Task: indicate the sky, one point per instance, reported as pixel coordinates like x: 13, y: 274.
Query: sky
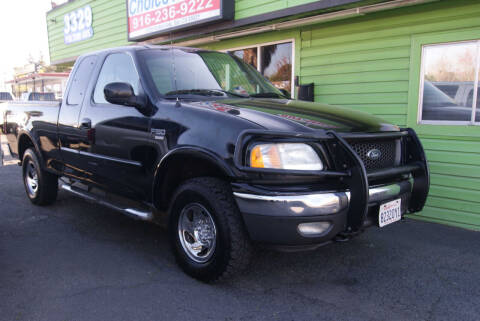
x: 23, y: 31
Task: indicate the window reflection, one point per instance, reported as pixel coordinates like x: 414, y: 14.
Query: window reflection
x: 277, y: 65
x: 247, y: 55
x: 449, y: 75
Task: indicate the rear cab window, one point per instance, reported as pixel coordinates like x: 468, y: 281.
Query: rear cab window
x: 80, y: 80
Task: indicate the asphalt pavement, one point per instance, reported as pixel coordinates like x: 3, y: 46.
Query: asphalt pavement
x: 79, y: 261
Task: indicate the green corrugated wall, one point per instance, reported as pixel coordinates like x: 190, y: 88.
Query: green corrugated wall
x: 109, y: 28
x: 110, y: 23
x: 365, y: 63
x: 248, y: 8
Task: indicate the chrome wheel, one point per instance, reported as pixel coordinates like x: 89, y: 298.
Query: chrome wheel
x: 31, y: 179
x: 197, y: 232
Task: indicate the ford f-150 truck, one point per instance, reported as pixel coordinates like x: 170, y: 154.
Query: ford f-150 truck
x: 201, y: 142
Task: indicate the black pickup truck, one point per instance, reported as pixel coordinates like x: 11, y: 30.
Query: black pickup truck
x: 201, y: 142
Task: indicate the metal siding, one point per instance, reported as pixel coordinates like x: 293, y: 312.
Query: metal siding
x: 248, y: 8
x: 364, y: 64
x: 109, y: 28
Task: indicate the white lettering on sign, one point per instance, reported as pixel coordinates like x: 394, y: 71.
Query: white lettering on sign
x: 146, y: 17
x: 77, y: 25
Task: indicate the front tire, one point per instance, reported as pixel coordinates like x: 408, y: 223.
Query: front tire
x: 206, y: 230
x: 41, y: 186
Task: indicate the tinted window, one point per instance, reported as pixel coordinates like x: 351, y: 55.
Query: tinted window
x: 41, y: 96
x: 5, y: 96
x: 80, y: 80
x: 117, y: 67
x: 470, y: 97
x: 450, y: 90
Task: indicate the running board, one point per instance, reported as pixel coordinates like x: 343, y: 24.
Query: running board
x: 132, y: 212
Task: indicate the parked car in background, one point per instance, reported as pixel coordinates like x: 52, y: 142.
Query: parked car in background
x: 37, y: 96
x: 5, y: 96
x: 460, y: 91
x: 437, y: 105
x: 201, y: 142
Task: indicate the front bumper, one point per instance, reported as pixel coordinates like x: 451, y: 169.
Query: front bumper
x: 279, y: 218
x: 275, y: 219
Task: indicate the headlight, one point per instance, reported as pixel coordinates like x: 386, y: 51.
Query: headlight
x: 296, y: 156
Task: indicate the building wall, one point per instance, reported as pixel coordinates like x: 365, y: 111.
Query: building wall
x: 110, y: 23
x: 372, y: 63
x: 248, y: 8
x: 109, y: 28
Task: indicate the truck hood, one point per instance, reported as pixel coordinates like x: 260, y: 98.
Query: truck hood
x: 288, y: 115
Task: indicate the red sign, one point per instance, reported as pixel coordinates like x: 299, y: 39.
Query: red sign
x: 151, y: 17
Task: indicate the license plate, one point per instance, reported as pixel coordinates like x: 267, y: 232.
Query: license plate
x: 390, y: 212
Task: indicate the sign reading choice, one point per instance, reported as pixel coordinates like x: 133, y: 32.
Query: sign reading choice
x: 77, y: 25
x: 149, y: 17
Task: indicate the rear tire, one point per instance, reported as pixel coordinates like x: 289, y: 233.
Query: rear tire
x: 41, y: 186
x: 206, y: 230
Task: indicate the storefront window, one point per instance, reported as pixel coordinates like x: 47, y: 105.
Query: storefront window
x: 277, y: 65
x: 449, y: 85
x: 477, y: 105
x: 249, y: 56
x: 274, y: 61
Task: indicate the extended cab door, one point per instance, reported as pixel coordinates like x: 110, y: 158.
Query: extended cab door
x: 117, y: 140
x: 71, y: 134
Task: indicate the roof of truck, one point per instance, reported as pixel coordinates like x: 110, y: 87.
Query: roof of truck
x: 140, y: 47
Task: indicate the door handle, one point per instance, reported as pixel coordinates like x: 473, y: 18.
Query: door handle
x: 85, y: 123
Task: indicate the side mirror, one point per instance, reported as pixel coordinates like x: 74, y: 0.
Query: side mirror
x: 120, y: 93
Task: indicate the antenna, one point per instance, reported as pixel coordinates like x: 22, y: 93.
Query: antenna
x: 172, y: 56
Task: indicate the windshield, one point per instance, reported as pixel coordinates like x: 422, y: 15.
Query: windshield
x: 175, y: 72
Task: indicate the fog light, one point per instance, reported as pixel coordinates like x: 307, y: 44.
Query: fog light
x: 313, y: 229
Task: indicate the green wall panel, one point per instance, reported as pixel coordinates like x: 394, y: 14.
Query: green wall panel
x: 248, y: 8
x: 109, y: 28
x: 366, y: 64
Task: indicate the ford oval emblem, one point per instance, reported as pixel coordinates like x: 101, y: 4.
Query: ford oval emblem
x: 374, y: 154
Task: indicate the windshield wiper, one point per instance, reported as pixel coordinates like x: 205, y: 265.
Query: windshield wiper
x: 203, y: 92
x: 200, y: 92
x: 267, y: 95
x: 232, y: 93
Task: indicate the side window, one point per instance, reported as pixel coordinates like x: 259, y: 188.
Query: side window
x: 118, y: 67
x: 80, y: 80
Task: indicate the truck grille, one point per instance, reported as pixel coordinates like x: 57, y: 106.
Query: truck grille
x: 388, y: 153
